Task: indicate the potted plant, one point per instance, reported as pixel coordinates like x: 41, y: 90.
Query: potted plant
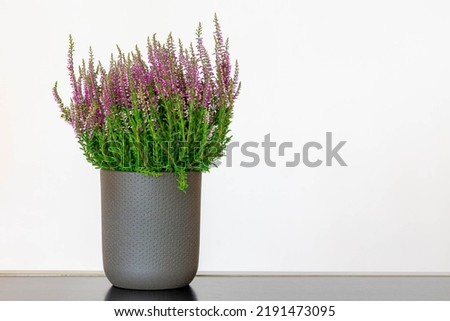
x: 152, y: 124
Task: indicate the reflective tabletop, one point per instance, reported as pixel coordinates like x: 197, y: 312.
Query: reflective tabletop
x: 234, y: 288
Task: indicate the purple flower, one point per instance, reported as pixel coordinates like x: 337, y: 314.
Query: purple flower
x: 171, y: 73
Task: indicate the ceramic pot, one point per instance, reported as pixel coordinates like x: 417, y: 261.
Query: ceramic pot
x: 150, y: 230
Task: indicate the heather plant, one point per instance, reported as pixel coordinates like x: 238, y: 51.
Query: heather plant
x: 167, y: 112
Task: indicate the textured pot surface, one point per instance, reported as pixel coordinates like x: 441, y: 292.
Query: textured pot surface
x: 150, y: 230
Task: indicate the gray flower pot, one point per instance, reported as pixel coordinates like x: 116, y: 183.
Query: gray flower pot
x: 150, y: 230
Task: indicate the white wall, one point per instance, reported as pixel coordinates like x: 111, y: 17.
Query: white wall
x: 376, y: 74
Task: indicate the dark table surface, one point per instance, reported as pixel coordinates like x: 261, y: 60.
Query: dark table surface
x: 234, y: 288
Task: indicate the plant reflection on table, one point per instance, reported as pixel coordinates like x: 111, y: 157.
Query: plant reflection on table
x: 181, y: 294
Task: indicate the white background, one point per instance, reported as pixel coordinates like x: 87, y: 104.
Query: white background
x: 375, y: 73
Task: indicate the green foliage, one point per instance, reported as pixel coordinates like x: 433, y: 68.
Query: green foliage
x: 151, y: 141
